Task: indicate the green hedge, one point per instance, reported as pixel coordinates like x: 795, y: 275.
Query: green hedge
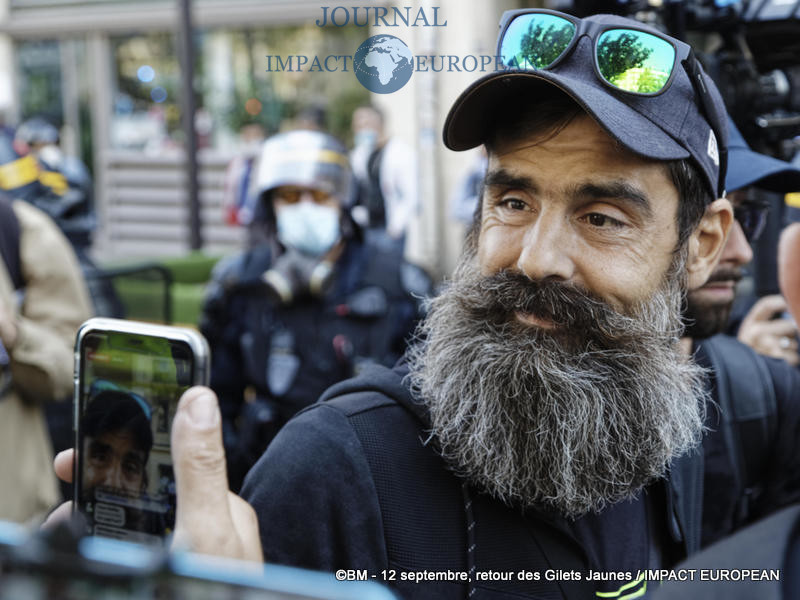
x: 142, y: 289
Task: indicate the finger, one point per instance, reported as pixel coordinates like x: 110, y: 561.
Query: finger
x: 63, y: 465
x: 778, y: 328
x: 789, y: 268
x: 246, y: 524
x: 766, y: 307
x: 62, y: 513
x: 782, y: 348
x: 203, y: 521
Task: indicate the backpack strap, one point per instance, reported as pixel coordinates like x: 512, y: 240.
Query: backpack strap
x: 685, y: 500
x: 746, y: 396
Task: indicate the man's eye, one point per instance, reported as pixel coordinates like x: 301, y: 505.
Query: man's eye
x: 601, y: 220
x: 513, y: 204
x: 99, y: 453
x: 132, y: 468
x: 99, y: 456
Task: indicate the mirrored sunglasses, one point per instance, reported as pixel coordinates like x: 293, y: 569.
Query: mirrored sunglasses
x: 626, y: 58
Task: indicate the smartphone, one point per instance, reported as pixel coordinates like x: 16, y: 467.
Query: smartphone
x: 129, y: 377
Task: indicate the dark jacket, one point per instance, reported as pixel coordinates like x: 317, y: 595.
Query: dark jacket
x: 350, y: 483
x: 282, y: 357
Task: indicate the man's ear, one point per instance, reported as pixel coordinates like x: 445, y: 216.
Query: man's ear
x: 707, y: 241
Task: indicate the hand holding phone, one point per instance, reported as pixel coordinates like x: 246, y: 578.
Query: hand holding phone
x: 129, y: 378
x: 209, y: 519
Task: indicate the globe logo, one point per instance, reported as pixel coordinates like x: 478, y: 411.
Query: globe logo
x: 383, y: 64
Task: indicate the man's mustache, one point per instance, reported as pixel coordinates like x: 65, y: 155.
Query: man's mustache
x: 726, y: 274
x: 565, y: 305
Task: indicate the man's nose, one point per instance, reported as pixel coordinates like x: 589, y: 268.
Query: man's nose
x: 737, y: 249
x: 547, y: 250
x: 113, y: 477
x: 307, y: 196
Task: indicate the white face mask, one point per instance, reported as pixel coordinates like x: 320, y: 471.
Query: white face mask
x: 366, y: 137
x: 52, y: 155
x: 311, y: 228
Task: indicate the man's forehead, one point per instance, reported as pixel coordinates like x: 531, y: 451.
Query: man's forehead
x: 580, y: 137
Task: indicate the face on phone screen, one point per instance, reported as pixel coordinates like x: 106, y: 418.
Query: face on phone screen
x: 129, y: 386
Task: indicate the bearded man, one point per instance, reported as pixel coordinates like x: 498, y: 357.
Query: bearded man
x: 542, y: 437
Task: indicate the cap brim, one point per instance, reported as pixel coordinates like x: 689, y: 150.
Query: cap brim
x: 474, y: 112
x: 748, y: 168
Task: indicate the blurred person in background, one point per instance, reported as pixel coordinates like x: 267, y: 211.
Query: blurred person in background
x: 43, y: 301
x: 309, y: 303
x: 773, y: 542
x: 766, y: 328
x: 386, y: 171
x: 746, y: 394
x: 466, y: 197
x: 39, y: 172
x: 239, y: 175
x: 312, y: 118
x: 65, y: 193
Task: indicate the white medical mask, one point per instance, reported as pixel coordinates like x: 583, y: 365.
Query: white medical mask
x: 366, y: 137
x: 311, y: 228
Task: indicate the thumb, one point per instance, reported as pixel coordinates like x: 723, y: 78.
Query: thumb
x: 789, y: 268
x: 201, y: 481
x: 63, y: 464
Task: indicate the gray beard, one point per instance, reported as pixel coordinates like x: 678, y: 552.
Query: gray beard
x: 570, y: 419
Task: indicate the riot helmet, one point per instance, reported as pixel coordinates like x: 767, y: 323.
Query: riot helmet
x: 302, y: 200
x: 302, y: 158
x: 37, y: 132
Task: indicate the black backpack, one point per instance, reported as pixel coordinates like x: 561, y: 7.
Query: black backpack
x: 747, y: 400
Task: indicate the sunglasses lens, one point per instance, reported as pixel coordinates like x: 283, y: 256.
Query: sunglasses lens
x: 535, y: 41
x: 635, y: 61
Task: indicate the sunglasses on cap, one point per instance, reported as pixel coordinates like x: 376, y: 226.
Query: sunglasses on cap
x: 752, y: 217
x: 627, y: 58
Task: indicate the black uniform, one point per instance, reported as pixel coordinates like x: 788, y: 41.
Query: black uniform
x: 270, y: 360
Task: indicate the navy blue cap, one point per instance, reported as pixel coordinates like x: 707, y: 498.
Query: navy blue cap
x: 668, y: 126
x: 747, y: 167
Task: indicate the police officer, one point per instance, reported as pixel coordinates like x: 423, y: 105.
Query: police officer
x: 309, y: 303
x: 65, y: 186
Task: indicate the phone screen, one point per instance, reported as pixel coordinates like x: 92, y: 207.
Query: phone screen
x: 128, y: 390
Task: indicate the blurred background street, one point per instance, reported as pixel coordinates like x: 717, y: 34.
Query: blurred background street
x: 107, y: 74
